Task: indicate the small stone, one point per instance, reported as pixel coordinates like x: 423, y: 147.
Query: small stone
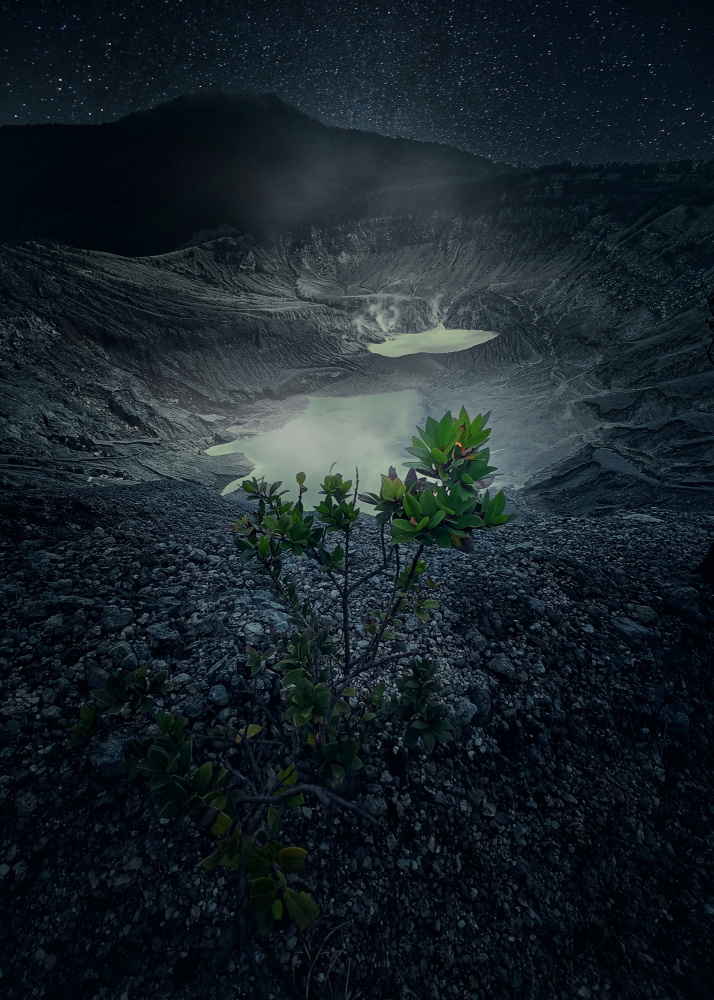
x: 163, y: 633
x: 25, y: 803
x: 218, y: 696
x: 96, y: 677
x: 374, y: 805
x: 193, y: 707
x: 642, y: 613
x: 500, y: 664
x: 114, y: 618
x: 465, y: 712
x: 119, y: 652
x: 106, y: 757
x: 536, y: 605
x: 682, y: 601
x: 197, y: 556
x: 476, y: 639
x: 630, y: 631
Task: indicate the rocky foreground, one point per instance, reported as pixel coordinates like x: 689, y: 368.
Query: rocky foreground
x: 559, y: 846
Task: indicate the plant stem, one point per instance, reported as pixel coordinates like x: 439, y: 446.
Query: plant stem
x: 368, y: 576
x: 324, y: 796
x: 364, y: 662
x: 345, y: 603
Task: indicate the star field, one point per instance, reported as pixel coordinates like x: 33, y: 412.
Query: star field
x: 522, y: 82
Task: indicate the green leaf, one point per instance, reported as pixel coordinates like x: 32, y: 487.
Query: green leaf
x: 201, y: 778
x: 302, y: 908
x: 157, y: 758
x: 445, y: 429
x: 412, y: 507
x: 427, y: 739
x: 259, y: 860
x: 277, y: 909
x: 184, y: 758
x: 430, y: 434
x: 338, y: 774
x: 211, y: 863
x: 169, y: 810
x: 253, y: 730
x: 288, y: 776
x: 436, y: 519
x: 293, y: 676
x: 164, y: 721
x: 221, y: 824
x: 262, y: 894
x: 291, y: 859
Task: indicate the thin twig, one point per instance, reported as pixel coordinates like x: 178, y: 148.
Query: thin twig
x: 251, y: 758
x: 369, y: 665
x: 664, y: 740
x: 345, y: 604
x: 368, y: 576
x: 374, y: 644
x: 326, y: 797
x: 402, y: 977
x: 319, y: 952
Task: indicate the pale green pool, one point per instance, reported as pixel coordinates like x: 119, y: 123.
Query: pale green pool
x: 369, y: 432
x: 438, y: 340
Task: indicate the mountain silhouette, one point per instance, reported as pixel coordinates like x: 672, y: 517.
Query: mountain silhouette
x: 146, y: 183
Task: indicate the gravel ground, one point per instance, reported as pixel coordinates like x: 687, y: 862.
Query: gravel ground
x: 559, y: 846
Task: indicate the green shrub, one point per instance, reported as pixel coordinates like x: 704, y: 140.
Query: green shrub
x: 331, y: 718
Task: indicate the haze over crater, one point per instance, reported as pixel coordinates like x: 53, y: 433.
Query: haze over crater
x: 591, y: 278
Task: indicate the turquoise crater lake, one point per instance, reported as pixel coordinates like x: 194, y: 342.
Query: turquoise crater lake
x: 438, y: 340
x: 369, y: 432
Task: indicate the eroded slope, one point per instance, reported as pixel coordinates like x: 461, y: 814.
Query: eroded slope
x: 596, y: 299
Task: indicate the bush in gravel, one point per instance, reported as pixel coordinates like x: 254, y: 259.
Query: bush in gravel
x: 327, y: 716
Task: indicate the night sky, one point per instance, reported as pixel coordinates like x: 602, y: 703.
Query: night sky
x: 521, y: 82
